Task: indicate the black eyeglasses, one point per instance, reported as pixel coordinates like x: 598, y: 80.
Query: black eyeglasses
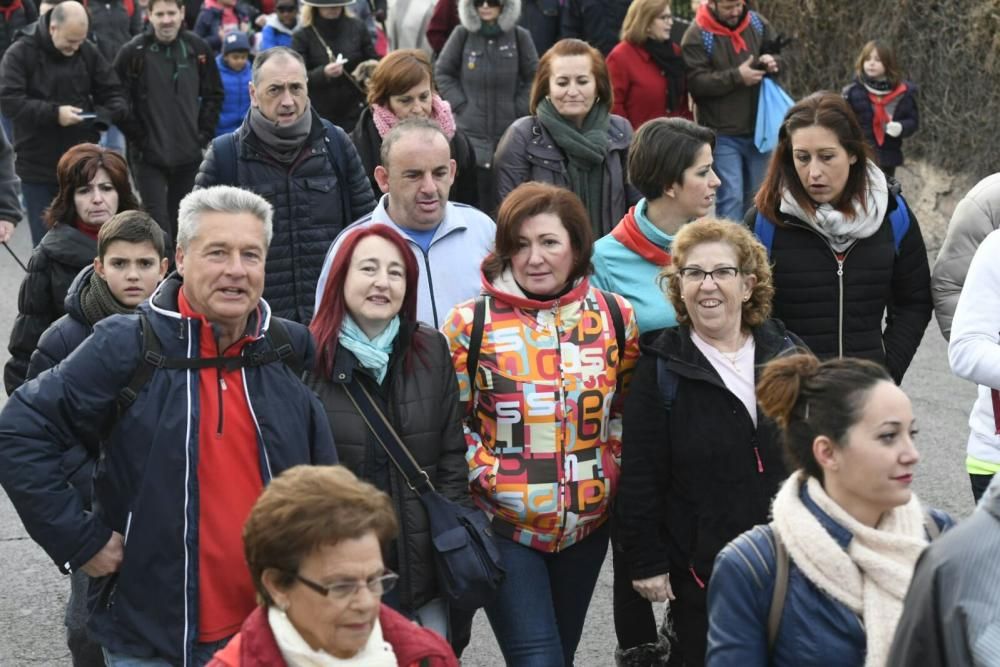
x: 722, y: 274
x: 488, y: 3
x: 343, y: 590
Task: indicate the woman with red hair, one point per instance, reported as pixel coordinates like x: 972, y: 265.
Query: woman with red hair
x: 367, y: 337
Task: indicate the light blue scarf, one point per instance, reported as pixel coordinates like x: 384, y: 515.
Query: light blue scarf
x: 371, y: 353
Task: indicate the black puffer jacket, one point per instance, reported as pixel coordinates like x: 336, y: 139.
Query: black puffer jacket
x: 339, y: 99
x: 309, y: 209
x: 54, y: 263
x: 423, y: 408
x: 15, y: 15
x: 836, y: 306
x: 698, y: 475
x: 369, y: 144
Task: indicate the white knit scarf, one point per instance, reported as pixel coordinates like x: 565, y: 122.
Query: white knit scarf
x: 872, y: 575
x: 842, y: 230
x: 298, y: 653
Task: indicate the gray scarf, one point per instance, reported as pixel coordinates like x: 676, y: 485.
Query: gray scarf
x: 97, y: 301
x: 282, y: 142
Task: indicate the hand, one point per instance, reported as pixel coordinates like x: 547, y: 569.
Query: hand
x: 222, y: 33
x: 751, y: 76
x: 69, y: 115
x: 333, y: 70
x: 6, y: 230
x: 261, y: 20
x: 109, y: 559
x: 893, y: 129
x: 769, y: 62
x: 654, y: 589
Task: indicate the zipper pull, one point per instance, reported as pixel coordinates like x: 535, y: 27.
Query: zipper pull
x: 697, y: 579
x: 760, y: 464
x: 222, y: 383
x: 840, y: 264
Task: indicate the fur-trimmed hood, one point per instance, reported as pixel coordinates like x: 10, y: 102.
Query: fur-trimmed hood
x: 469, y: 17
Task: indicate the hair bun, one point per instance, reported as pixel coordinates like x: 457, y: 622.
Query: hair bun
x: 781, y: 383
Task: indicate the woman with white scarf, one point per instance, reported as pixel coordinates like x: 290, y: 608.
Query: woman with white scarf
x: 845, y: 246
x: 849, y: 524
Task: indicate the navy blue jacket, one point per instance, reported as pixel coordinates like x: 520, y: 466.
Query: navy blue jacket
x: 890, y: 153
x: 815, y: 630
x: 150, y: 607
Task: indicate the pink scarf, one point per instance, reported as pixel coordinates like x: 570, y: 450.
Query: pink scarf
x: 385, y: 120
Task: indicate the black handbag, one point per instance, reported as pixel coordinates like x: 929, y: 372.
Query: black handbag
x: 468, y: 561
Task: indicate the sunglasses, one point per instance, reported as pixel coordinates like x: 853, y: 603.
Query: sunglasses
x: 487, y: 3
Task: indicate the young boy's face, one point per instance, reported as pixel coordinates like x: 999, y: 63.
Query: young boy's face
x: 236, y: 60
x: 132, y: 271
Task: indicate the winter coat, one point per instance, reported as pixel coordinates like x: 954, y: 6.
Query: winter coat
x: 35, y: 79
x: 539, y: 17
x: 890, y: 153
x: 54, y: 263
x: 464, y: 190
x: 640, y: 86
x: 339, y: 99
x: 528, y: 152
x: 236, y: 96
x: 547, y: 398
x: 724, y: 103
x: 276, y: 33
x: 816, y: 630
x: 15, y: 15
x: 597, y: 22
x: 311, y: 206
x: 699, y: 474
x: 974, y: 218
x: 406, y: 25
x: 10, y: 184
x: 255, y: 645
x: 423, y: 407
x: 209, y: 22
x: 156, y: 514
x: 174, y: 113
x: 111, y: 25
x: 836, y: 305
x: 487, y: 80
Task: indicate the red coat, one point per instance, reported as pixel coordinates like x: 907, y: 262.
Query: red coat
x: 255, y: 645
x: 640, y: 87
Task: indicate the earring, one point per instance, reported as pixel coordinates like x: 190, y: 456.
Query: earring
x: 283, y: 605
x: 746, y: 298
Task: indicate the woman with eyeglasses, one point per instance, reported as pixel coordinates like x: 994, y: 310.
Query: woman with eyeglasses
x: 484, y: 71
x: 700, y: 463
x: 314, y: 542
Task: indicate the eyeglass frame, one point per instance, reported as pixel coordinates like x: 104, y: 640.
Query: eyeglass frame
x: 387, y: 580
x: 682, y: 273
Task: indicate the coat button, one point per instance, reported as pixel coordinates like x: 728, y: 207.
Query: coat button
x: 342, y: 376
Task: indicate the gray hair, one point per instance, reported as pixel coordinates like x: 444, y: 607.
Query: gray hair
x: 221, y: 199
x: 409, y: 126
x: 270, y: 54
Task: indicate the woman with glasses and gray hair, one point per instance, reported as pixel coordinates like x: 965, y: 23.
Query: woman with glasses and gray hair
x: 313, y: 543
x: 700, y: 464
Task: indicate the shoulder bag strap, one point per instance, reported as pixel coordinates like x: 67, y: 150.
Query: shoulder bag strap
x: 416, y: 478
x: 475, y: 341
x: 781, y: 566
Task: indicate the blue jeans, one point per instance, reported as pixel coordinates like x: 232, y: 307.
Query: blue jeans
x: 538, y: 613
x: 114, y: 140
x: 37, y: 198
x: 201, y: 656
x: 740, y: 167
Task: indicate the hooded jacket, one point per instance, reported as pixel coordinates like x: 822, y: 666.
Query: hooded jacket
x: 422, y: 406
x: 156, y: 514
x: 236, y: 95
x: 276, y: 33
x: 54, y: 264
x: 487, y: 80
x: 35, y: 80
x: 547, y: 400
x: 15, y: 15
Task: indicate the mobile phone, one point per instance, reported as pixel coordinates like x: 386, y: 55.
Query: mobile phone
x: 88, y: 115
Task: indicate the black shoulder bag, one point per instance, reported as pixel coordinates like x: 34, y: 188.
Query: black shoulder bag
x: 468, y: 561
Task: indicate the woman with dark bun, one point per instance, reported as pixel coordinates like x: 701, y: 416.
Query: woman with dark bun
x: 846, y: 519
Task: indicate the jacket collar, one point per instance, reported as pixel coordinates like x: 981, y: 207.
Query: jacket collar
x: 841, y: 535
x: 452, y: 220
x: 68, y: 245
x: 503, y: 288
x: 469, y: 17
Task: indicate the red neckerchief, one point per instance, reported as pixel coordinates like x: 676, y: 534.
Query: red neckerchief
x: 881, y: 116
x: 10, y: 9
x: 627, y: 233
x: 707, y: 21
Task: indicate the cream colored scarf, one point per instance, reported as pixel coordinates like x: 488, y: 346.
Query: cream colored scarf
x: 297, y: 653
x: 872, y: 575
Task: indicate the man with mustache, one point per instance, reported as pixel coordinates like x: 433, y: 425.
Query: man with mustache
x: 449, y: 240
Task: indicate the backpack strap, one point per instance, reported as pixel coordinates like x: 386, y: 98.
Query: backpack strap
x: 931, y: 526
x: 144, y: 370
x: 335, y: 154
x: 900, y: 221
x: 281, y: 345
x: 475, y: 340
x: 763, y: 229
x: 618, y: 322
x: 666, y: 382
x: 225, y: 151
x: 781, y: 567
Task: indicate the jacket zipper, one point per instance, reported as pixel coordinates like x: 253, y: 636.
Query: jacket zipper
x: 562, y: 426
x: 222, y: 387
x: 841, y: 258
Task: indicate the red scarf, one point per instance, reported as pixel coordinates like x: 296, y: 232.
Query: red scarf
x: 10, y: 9
x: 881, y: 116
x: 627, y: 233
x: 706, y: 21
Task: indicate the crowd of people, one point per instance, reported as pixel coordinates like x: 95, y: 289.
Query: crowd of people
x: 535, y: 245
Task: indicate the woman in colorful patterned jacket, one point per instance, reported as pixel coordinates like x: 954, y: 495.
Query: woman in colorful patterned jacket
x: 544, y: 416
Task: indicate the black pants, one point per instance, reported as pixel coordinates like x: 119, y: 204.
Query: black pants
x: 690, y: 612
x: 162, y: 189
x: 979, y: 485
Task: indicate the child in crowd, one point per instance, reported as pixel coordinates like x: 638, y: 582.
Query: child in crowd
x: 280, y: 25
x: 235, y: 72
x: 131, y: 261
x: 218, y: 18
x: 885, y: 104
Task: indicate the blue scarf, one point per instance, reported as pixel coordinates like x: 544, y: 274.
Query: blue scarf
x: 371, y: 353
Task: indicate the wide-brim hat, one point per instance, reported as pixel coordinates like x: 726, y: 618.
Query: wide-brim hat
x: 328, y: 3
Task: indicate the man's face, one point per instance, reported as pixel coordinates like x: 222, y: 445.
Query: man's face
x: 417, y: 176
x: 166, y: 18
x: 729, y: 11
x: 68, y: 36
x: 223, y: 267
x: 280, y: 92
x: 288, y: 13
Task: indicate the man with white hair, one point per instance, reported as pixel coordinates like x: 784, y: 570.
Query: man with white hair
x: 199, y: 403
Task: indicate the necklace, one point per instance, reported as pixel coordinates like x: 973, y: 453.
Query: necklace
x: 734, y: 357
